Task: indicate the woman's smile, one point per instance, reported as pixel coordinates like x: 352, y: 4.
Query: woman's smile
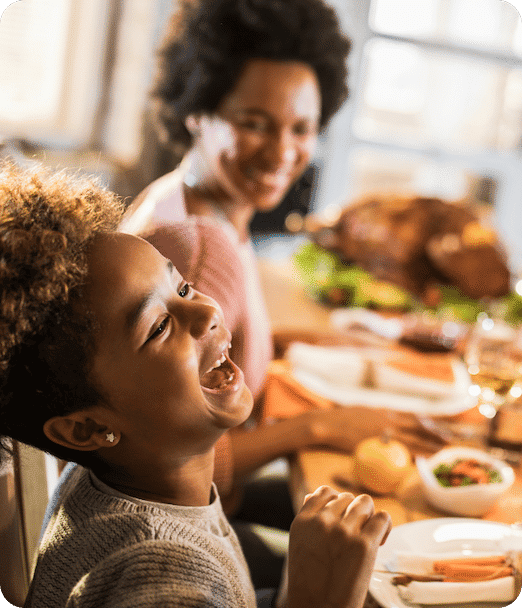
x: 269, y: 180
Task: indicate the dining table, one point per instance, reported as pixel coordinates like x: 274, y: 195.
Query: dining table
x: 291, y: 310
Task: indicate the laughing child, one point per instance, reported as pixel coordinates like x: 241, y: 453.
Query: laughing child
x: 111, y: 360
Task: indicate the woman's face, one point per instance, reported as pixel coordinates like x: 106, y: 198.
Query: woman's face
x: 161, y: 353
x: 263, y: 134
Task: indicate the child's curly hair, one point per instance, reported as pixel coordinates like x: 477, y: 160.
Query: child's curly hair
x: 47, y: 221
x: 208, y: 42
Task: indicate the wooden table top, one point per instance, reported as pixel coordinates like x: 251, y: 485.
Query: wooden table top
x: 312, y: 468
x: 290, y: 308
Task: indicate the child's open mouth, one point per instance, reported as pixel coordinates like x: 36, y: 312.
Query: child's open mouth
x: 221, y: 376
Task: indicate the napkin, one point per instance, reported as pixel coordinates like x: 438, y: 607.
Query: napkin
x: 497, y: 590
x: 341, y: 366
x: 390, y: 379
x: 376, y: 377
x: 356, y: 395
x: 413, y: 562
x: 419, y: 375
x: 285, y: 396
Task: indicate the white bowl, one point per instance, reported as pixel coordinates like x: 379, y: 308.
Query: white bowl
x: 470, y: 501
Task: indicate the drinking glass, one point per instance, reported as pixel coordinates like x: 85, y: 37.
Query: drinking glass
x: 493, y: 362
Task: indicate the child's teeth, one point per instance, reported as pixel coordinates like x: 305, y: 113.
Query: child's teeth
x: 221, y: 360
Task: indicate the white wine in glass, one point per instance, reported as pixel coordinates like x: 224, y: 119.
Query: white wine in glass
x: 492, y: 362
x: 500, y: 382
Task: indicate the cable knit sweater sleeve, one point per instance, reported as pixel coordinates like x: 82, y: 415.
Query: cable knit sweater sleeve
x: 104, y: 550
x: 154, y: 574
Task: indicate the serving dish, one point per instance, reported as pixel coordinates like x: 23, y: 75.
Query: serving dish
x: 455, y: 402
x: 467, y: 500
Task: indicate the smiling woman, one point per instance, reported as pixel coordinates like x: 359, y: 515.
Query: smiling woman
x: 257, y: 144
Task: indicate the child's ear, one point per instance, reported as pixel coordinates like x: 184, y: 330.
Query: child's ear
x: 80, y: 431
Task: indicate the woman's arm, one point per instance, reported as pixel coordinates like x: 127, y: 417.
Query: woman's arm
x: 338, y: 428
x: 253, y: 448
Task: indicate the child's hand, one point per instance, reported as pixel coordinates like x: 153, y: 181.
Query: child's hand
x: 333, y: 545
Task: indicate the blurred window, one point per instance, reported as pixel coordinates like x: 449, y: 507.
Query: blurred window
x: 382, y: 170
x: 435, y: 108
x: 418, y: 96
x: 51, y: 68
x: 33, y: 45
x: 442, y: 73
x: 483, y: 24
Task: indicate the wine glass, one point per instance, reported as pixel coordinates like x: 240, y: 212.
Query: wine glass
x: 492, y: 362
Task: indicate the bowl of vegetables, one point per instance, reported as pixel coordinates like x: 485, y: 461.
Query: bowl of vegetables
x: 464, y: 481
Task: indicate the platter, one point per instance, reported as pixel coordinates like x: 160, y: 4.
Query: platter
x: 455, y: 402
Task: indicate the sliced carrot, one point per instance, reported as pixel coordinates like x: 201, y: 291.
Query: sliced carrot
x: 468, y: 570
x: 486, y: 560
x: 473, y: 568
x: 472, y: 469
x: 499, y: 573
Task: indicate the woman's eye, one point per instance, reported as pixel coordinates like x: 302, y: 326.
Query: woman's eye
x: 185, y: 290
x: 305, y: 129
x: 160, y: 329
x: 252, y: 125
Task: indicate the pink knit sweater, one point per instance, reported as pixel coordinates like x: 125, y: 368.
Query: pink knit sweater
x: 205, y: 255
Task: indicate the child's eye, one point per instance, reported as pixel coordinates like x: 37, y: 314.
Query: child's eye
x: 185, y: 290
x: 160, y: 329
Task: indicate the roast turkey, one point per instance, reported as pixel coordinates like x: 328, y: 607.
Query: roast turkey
x: 418, y: 242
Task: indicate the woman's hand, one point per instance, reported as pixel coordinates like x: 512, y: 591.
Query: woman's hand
x: 342, y: 428
x: 339, y: 428
x: 333, y: 546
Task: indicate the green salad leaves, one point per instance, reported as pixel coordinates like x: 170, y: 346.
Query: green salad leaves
x: 332, y: 281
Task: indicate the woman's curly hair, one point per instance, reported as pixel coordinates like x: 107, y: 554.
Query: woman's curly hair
x: 208, y: 42
x: 47, y: 221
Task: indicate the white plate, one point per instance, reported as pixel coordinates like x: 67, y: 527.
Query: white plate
x: 444, y: 535
x: 458, y: 401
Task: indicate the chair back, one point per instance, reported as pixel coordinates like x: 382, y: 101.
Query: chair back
x: 23, y: 496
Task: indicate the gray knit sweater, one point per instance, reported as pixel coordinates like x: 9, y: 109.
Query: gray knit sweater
x: 103, y: 550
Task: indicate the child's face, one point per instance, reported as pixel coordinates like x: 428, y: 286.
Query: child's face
x: 157, y: 341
